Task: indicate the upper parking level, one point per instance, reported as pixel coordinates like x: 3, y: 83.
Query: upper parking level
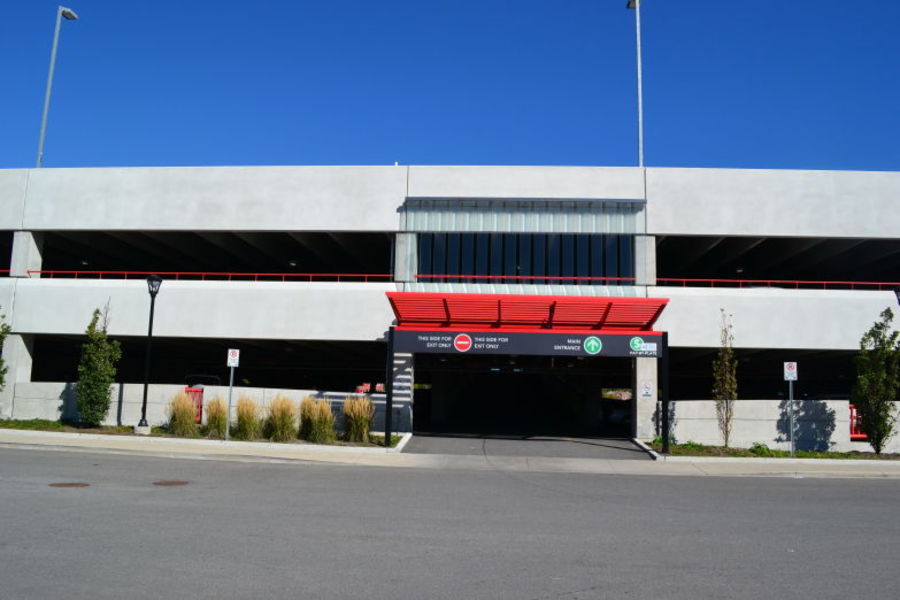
x: 365, y: 198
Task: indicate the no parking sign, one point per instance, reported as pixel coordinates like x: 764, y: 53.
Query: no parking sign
x: 790, y: 371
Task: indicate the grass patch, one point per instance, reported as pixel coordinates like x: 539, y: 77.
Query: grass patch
x: 321, y: 423
x: 378, y: 440
x: 762, y: 451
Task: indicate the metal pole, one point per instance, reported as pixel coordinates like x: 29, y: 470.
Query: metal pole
x: 640, y: 84
x: 40, y: 154
x: 228, y: 414
x: 791, y: 407
x: 389, y: 388
x: 143, y: 422
x: 664, y: 391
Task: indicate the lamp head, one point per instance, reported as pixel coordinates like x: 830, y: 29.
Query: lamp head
x: 153, y: 283
x: 632, y: 4
x: 68, y: 13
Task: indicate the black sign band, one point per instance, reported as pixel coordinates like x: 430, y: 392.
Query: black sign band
x: 537, y: 343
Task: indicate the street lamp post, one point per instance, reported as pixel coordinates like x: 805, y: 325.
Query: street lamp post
x: 61, y: 13
x: 635, y: 5
x: 153, y: 283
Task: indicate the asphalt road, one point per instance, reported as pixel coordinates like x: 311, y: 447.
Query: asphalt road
x: 258, y: 530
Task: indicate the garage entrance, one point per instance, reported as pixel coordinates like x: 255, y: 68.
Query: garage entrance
x: 523, y: 396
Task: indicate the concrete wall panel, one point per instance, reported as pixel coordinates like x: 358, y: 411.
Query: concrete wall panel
x: 620, y: 183
x: 206, y: 309
x: 771, y: 317
x: 13, y: 184
x: 773, y: 203
x: 217, y: 198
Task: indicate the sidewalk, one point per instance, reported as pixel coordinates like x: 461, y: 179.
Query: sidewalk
x: 376, y: 457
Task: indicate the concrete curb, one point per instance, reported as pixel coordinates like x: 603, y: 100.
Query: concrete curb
x: 162, y: 443
x: 891, y: 464
x: 653, y: 454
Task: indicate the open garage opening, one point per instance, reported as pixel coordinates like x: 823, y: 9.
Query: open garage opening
x: 523, y: 396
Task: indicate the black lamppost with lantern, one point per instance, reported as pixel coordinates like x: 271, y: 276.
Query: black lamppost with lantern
x: 153, y: 283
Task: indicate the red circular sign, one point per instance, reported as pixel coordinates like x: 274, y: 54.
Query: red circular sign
x: 462, y: 342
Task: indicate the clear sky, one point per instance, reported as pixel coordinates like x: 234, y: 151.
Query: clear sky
x: 805, y: 84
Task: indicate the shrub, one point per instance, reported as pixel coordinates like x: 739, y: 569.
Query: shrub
x: 322, y: 423
x: 307, y: 410
x: 216, y: 418
x: 759, y: 449
x: 358, y: 413
x: 96, y: 371
x: 248, y: 425
x: 5, y: 329
x: 181, y: 416
x: 282, y: 422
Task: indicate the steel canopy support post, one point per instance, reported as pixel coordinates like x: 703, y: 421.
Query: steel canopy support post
x: 389, y: 388
x: 664, y: 391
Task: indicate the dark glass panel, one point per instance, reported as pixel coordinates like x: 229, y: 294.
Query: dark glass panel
x: 453, y: 256
x: 626, y: 258
x: 482, y: 255
x: 525, y: 256
x: 612, y: 258
x: 583, y: 257
x: 553, y: 255
x: 496, y: 256
x: 539, y: 256
x: 567, y: 268
x: 425, y: 243
x: 467, y: 255
x: 440, y: 256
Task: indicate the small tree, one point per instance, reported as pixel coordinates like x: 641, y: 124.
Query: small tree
x: 878, y: 381
x: 4, y: 331
x: 97, y: 370
x: 725, y: 378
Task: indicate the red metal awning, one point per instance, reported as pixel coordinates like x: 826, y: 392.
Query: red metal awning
x: 416, y: 310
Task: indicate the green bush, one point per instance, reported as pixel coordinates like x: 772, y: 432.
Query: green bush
x: 758, y: 449
x: 216, y: 418
x: 358, y: 413
x: 282, y: 423
x: 182, y: 415
x: 96, y: 371
x: 248, y: 424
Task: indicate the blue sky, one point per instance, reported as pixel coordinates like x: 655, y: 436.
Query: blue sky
x: 806, y: 84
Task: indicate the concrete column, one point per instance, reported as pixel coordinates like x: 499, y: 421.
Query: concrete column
x: 27, y: 253
x: 645, y: 260
x: 17, y: 355
x: 405, y: 267
x: 646, y: 391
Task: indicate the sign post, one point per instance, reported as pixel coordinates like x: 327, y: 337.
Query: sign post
x: 234, y: 359
x: 790, y: 375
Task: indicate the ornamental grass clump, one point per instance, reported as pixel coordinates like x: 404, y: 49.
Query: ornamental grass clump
x: 358, y: 413
x: 216, y: 418
x: 181, y: 416
x: 248, y: 424
x: 307, y: 408
x: 322, y: 425
x: 282, y: 422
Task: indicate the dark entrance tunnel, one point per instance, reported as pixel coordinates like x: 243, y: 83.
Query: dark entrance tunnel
x: 523, y: 396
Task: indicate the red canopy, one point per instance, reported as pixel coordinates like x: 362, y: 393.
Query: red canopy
x: 514, y: 312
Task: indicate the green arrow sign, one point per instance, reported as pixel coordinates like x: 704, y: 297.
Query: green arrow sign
x: 592, y: 345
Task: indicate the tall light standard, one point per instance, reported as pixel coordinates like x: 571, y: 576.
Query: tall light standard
x: 61, y: 13
x: 635, y: 5
x: 153, y: 283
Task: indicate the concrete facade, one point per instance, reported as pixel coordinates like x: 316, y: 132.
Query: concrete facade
x: 676, y: 202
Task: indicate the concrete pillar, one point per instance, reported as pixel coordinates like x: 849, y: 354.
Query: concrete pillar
x: 645, y: 260
x: 27, y: 253
x: 17, y: 355
x: 405, y: 259
x: 646, y: 390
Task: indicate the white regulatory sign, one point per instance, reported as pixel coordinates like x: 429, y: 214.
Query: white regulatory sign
x: 234, y: 357
x: 790, y: 371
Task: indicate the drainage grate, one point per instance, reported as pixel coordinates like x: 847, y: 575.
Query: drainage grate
x: 170, y: 482
x: 70, y: 484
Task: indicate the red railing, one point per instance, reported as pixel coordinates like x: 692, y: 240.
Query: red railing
x: 214, y: 276
x: 796, y: 284
x: 528, y: 278
x: 855, y: 433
